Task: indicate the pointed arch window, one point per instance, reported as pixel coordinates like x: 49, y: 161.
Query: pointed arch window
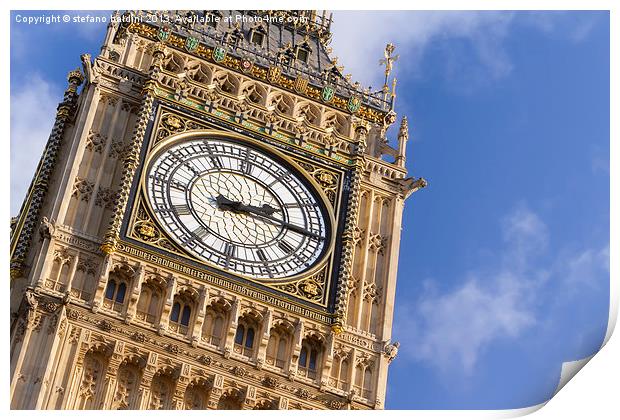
x: 180, y: 316
x: 115, y: 291
x: 309, y: 359
x: 258, y: 35
x: 244, y: 339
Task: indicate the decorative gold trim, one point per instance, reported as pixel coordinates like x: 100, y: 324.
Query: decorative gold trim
x: 163, y: 93
x: 178, y: 42
x: 179, y: 138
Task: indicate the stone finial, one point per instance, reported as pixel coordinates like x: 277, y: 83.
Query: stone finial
x: 75, y: 77
x: 403, y: 132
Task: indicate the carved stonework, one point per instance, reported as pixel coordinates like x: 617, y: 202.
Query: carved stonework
x: 144, y: 228
x: 372, y: 293
x: 170, y: 124
x: 311, y: 288
x: 82, y: 189
x: 106, y: 198
x: 87, y: 265
x: 328, y: 180
x: 377, y: 243
x: 95, y: 141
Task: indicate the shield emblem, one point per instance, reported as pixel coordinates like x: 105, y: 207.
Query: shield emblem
x: 354, y: 104
x: 301, y: 84
x: 327, y: 94
x: 273, y: 74
x: 164, y: 33
x: 191, y: 44
x: 246, y: 65
x: 219, y: 54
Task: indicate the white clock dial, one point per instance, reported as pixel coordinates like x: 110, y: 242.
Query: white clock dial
x: 237, y: 207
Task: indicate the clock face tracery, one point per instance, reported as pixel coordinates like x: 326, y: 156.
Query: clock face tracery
x: 235, y: 206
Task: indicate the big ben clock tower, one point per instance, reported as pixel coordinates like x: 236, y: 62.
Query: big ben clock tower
x: 214, y: 223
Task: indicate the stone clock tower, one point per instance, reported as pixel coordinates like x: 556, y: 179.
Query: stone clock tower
x: 214, y: 223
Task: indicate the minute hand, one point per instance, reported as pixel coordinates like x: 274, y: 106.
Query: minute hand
x: 255, y: 211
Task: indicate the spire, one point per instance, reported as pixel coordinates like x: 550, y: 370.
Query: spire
x: 403, y: 136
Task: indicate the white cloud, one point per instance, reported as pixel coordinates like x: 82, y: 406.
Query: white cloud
x: 499, y: 300
x: 33, y: 107
x: 360, y: 38
x: 455, y: 327
x: 584, y: 268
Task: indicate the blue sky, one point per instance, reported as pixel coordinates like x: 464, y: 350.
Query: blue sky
x: 504, y: 268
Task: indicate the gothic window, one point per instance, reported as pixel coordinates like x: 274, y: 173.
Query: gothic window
x: 311, y: 113
x: 278, y: 347
x: 174, y: 63
x: 255, y: 93
x: 59, y: 274
x: 302, y: 55
x: 83, y: 284
x: 198, y: 72
x: 363, y: 381
x: 257, y: 38
x: 214, y: 324
x: 367, y: 384
x: 309, y: 358
x: 338, y: 123
x: 303, y: 51
x: 283, y: 103
x: 245, y: 336
x: 181, y: 314
x: 226, y: 82
x: 115, y: 293
x: 258, y: 35
x: 340, y: 373
x: 149, y: 303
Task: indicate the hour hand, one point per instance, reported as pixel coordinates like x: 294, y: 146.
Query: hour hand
x: 224, y: 203
x: 264, y: 209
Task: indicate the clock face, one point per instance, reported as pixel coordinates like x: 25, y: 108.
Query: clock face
x: 235, y: 206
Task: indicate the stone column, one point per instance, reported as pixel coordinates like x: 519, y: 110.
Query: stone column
x: 144, y: 391
x: 135, y: 293
x: 164, y: 320
x: 132, y: 158
x: 101, y: 284
x: 31, y: 208
x: 262, y: 349
x: 348, y: 235
x: 200, y: 315
x: 231, y: 328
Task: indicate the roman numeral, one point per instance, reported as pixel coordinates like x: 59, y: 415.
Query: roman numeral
x: 282, y: 178
x: 200, y: 232
x: 215, y: 160
x: 230, y: 251
x: 285, y: 246
x: 297, y: 205
x: 181, y: 209
x: 261, y: 255
x: 177, y: 185
x: 246, y: 165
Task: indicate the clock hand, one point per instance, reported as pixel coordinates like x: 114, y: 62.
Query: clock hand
x: 224, y: 203
x: 252, y: 211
